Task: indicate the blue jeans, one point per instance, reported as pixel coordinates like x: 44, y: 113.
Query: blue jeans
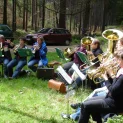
x: 20, y: 64
x: 33, y: 62
x: 5, y: 61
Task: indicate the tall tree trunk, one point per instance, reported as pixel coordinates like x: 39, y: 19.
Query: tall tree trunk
x: 14, y: 15
x: 62, y: 15
x: 43, y: 13
x: 32, y: 23
x: 103, y: 17
x: 36, y: 15
x: 26, y: 23
x: 55, y: 13
x: 86, y: 15
x: 24, y: 9
x: 5, y: 12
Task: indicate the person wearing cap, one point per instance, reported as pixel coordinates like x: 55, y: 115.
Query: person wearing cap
x: 68, y: 66
x: 18, y: 61
x: 40, y: 51
x: 6, y: 58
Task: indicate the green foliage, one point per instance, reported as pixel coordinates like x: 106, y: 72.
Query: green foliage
x: 118, y: 119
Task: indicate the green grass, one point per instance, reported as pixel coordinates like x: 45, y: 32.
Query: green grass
x: 29, y: 100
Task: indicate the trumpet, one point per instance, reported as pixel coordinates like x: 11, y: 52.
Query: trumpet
x: 35, y: 47
x: 16, y: 48
x: 1, y: 46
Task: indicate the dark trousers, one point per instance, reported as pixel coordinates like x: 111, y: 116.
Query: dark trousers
x: 94, y: 107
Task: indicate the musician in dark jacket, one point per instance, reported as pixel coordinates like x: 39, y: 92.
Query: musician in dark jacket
x: 95, y: 51
x: 112, y: 103
x: 6, y: 46
x: 40, y: 51
x: 18, y: 61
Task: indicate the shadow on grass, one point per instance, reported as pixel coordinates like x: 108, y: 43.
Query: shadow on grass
x: 52, y: 120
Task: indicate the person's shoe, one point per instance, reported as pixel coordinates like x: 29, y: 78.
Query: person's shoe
x: 75, y: 106
x: 65, y: 116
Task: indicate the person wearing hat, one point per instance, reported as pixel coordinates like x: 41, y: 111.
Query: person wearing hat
x: 40, y: 51
x: 5, y: 48
x: 68, y: 66
x: 18, y: 61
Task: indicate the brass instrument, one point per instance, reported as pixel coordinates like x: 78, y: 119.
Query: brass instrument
x: 1, y: 46
x: 95, y: 74
x: 87, y: 42
x: 68, y: 52
x: 112, y: 35
x: 16, y: 48
x: 34, y: 50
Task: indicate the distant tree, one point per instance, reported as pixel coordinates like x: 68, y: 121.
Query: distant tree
x: 62, y: 14
x: 5, y: 12
x: 14, y: 15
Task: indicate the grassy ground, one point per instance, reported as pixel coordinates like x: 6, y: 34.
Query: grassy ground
x: 29, y: 100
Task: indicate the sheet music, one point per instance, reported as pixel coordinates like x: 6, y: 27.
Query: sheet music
x: 80, y: 74
x: 65, y: 75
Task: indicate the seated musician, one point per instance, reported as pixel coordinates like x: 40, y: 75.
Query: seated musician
x: 119, y: 44
x: 40, y: 51
x: 68, y: 66
x: 18, y: 61
x: 6, y: 46
x: 95, y: 50
x: 113, y: 101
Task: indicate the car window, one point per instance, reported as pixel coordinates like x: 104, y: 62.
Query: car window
x: 4, y: 28
x: 44, y: 30
x: 57, y: 31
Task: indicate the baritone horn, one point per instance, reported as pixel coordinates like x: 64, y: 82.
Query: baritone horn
x: 95, y: 74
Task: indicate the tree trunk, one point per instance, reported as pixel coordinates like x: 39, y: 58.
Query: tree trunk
x: 103, y: 17
x: 32, y: 23
x: 5, y: 12
x: 43, y: 13
x: 62, y: 15
x: 86, y: 15
x: 24, y: 4
x: 26, y: 23
x: 14, y: 15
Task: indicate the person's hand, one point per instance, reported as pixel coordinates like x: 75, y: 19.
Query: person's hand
x: 89, y: 52
x: 104, y: 76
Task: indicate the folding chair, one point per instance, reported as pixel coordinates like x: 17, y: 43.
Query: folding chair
x: 61, y: 54
x: 1, y: 64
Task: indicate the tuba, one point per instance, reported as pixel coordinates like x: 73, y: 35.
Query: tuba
x: 87, y: 42
x: 112, y: 35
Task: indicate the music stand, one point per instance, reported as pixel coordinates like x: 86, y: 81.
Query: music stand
x: 68, y: 81
x: 25, y: 52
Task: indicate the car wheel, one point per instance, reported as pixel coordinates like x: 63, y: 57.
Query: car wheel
x: 67, y: 42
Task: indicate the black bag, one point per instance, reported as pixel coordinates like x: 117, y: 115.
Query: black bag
x: 45, y: 73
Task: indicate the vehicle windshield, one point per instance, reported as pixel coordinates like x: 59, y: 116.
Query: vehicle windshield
x: 44, y: 30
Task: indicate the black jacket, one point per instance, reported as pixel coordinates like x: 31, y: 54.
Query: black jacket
x: 96, y: 52
x: 115, y: 96
x: 7, y: 53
